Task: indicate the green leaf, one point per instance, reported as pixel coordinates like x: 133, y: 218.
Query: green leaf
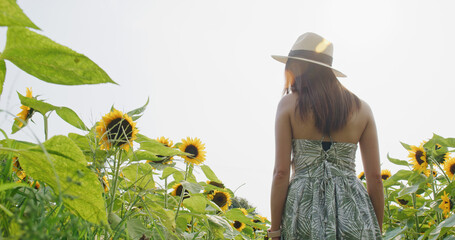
x: 408, y: 190
x: 12, y: 15
x: 37, y: 105
x: 136, y: 113
x: 2, y: 74
x: 6, y: 186
x: 144, y: 155
x: 69, y: 116
x: 157, y: 148
x: 393, y: 233
x: 196, y: 203
x: 136, y: 229
x: 209, y: 173
x: 397, y: 161
x: 221, y: 222
x: 192, y: 187
x: 140, y: 174
x: 448, y: 223
x: 50, y: 61
x: 168, y: 171
x: 64, y: 168
x: 407, y: 146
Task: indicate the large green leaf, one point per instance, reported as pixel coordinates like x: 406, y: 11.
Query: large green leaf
x: 196, y: 203
x: 137, y: 113
x: 448, y: 223
x: 2, y: 74
x: 37, y: 105
x: 6, y: 186
x: 12, y: 15
x: 397, y: 161
x: 64, y: 168
x: 157, y: 148
x: 209, y: 173
x: 140, y: 174
x: 136, y: 230
x: 69, y: 116
x: 50, y: 61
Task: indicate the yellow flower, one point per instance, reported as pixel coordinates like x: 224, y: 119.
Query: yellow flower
x: 18, y: 169
x: 449, y: 167
x: 238, y: 225
x: 258, y: 219
x: 26, y: 112
x: 165, y: 141
x: 446, y: 204
x: 194, y: 147
x: 385, y: 174
x: 116, y: 130
x: 222, y: 199
x: 418, y: 158
x: 361, y: 176
x: 105, y: 184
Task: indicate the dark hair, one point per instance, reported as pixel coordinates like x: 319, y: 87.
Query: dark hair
x: 319, y: 92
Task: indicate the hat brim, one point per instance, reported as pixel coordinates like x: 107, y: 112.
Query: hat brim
x: 284, y: 59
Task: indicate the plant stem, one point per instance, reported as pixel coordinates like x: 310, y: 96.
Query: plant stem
x: 183, y: 192
x: 117, y: 170
x: 388, y: 206
x: 165, y: 193
x: 434, y: 191
x: 46, y: 128
x: 415, y: 214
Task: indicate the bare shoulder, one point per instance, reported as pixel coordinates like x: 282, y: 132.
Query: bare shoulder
x: 365, y: 110
x: 287, y: 102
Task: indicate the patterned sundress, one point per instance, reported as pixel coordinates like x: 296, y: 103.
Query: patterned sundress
x: 325, y: 198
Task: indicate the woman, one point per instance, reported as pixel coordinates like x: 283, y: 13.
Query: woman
x: 319, y: 123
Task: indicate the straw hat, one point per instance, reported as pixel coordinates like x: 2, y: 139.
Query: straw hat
x: 312, y: 48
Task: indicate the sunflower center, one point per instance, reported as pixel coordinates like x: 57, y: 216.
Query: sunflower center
x: 452, y: 169
x: 192, y: 150
x: 385, y: 176
x: 419, y: 155
x: 30, y: 113
x: 403, y: 201
x: 220, y: 185
x: 119, y: 131
x: 220, y: 199
x: 237, y: 224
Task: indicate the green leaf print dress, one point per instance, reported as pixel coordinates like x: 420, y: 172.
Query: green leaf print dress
x: 325, y: 198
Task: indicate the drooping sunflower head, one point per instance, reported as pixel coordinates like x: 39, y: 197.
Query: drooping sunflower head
x: 449, y: 167
x: 116, y: 130
x: 446, y: 204
x: 244, y: 211
x: 402, y: 201
x: 26, y: 112
x: 178, y: 191
x: 385, y: 174
x: 164, y: 159
x: 194, y: 147
x: 222, y: 199
x: 361, y: 176
x: 239, y: 226
x: 258, y: 219
x: 216, y: 184
x: 418, y: 158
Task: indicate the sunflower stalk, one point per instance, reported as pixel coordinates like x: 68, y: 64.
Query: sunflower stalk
x: 388, y: 207
x: 46, y: 127
x: 165, y: 193
x: 415, y: 214
x: 115, y: 181
x: 433, y: 183
x: 442, y: 170
x: 182, y: 194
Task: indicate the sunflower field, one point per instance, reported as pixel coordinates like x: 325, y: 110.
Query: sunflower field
x: 112, y: 182
x: 419, y: 201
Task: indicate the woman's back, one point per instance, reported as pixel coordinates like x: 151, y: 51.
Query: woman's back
x: 306, y: 129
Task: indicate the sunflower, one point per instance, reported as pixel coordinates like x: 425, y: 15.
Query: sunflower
x: 116, y: 130
x: 26, y: 112
x: 222, y: 199
x: 18, y: 169
x: 238, y: 225
x: 361, y: 176
x: 165, y: 141
x: 258, y: 219
x: 427, y: 173
x: 418, y: 158
x: 449, y: 167
x: 178, y: 191
x: 385, y: 174
x: 105, y: 184
x: 446, y: 204
x: 216, y: 184
x: 165, y: 160
x: 194, y: 147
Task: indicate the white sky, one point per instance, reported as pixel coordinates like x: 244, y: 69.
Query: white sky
x: 207, y: 69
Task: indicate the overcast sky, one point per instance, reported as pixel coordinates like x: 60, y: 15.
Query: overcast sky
x: 207, y: 69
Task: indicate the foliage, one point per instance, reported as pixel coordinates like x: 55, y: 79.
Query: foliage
x: 415, y: 203
x: 67, y: 187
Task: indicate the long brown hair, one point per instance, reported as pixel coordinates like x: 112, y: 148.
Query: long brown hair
x: 320, y: 93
